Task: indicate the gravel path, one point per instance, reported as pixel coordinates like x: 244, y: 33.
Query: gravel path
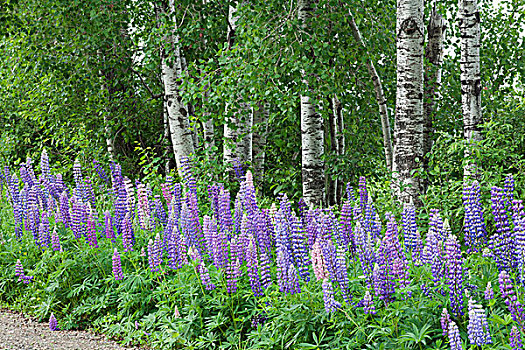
x: 20, y: 333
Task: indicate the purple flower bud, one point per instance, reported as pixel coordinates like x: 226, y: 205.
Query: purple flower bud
x: 454, y: 278
x: 489, y: 292
x: 53, y: 324
x: 368, y: 304
x: 330, y: 304
x: 117, y: 267
x: 445, y: 321
x: 55, y: 241
x: 127, y: 234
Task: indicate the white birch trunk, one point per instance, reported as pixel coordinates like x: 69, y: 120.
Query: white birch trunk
x: 181, y: 134
x: 166, y: 137
x: 238, y: 128
x: 312, y: 134
x: 408, y: 149
x: 469, y: 27
x: 261, y: 115
x: 109, y: 140
x: 434, y: 60
x: 380, y: 96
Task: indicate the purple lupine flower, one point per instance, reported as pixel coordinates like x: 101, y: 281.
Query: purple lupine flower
x: 445, y: 321
x: 53, y: 324
x: 225, y: 217
x: 489, y: 292
x: 475, y: 230
x: 434, y: 255
x: 508, y: 295
x: 238, y: 169
x: 175, y: 245
x: 91, y: 234
x: 381, y: 275
x: 143, y: 206
x: 89, y: 193
x: 454, y: 276
x: 264, y: 262
x: 55, y: 240
x: 127, y: 233
x: 187, y: 175
x: 205, y: 276
x: 365, y: 251
x: 43, y: 231
x: 64, y: 209
x: 453, y: 336
x: 409, y: 227
x: 117, y: 266
x: 19, y: 270
x: 330, y: 304
x: 515, y: 339
x: 190, y: 224
x: 299, y: 248
x: 346, y: 227
x: 252, y: 266
x: 232, y: 275
x: 501, y: 241
x: 478, y: 327
x: 518, y: 218
x: 108, y: 226
x: 100, y: 171
x: 368, y: 304
x: 151, y: 256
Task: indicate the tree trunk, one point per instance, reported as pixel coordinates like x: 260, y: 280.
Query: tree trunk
x: 237, y: 128
x: 469, y: 28
x: 312, y: 134
x: 261, y: 114
x: 408, y: 149
x: 166, y: 139
x: 434, y: 57
x: 341, y: 146
x: 181, y: 134
x: 380, y: 95
x: 332, y: 188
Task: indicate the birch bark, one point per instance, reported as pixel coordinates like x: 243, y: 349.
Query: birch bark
x: 434, y: 60
x: 469, y: 27
x: 408, y: 131
x: 380, y: 95
x: 312, y: 134
x: 181, y: 135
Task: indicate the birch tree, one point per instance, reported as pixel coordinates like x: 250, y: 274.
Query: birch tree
x: 380, y: 95
x: 408, y: 131
x: 434, y: 60
x: 238, y: 126
x: 312, y: 133
x: 469, y: 27
x: 171, y: 66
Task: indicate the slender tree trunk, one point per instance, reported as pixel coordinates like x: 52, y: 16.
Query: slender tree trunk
x: 312, y: 134
x: 109, y: 140
x: 469, y: 27
x: 408, y: 149
x: 181, y: 134
x: 238, y: 127
x: 340, y: 136
x: 380, y: 95
x: 332, y: 186
x: 261, y: 114
x: 434, y: 60
x: 166, y: 138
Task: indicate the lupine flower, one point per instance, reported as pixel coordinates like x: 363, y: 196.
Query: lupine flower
x: 445, y: 321
x: 127, y: 233
x: 264, y: 262
x: 117, y: 266
x: 453, y: 336
x: 55, y: 241
x: 232, y: 274
x: 318, y: 262
x: 19, y: 270
x: 368, y: 304
x: 205, y: 276
x: 478, y: 327
x: 489, y: 292
x: 143, y: 206
x: 330, y: 304
x: 515, y: 339
x: 108, y: 226
x: 410, y: 227
x: 91, y: 231
x: 508, y: 295
x: 501, y: 241
x: 53, y: 324
x: 475, y: 231
x: 151, y: 260
x: 252, y: 266
x: 454, y: 277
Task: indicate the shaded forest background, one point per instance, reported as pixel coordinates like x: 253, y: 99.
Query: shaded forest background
x: 76, y: 75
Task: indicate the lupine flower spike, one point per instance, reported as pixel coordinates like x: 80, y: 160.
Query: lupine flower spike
x: 53, y: 324
x: 117, y: 267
